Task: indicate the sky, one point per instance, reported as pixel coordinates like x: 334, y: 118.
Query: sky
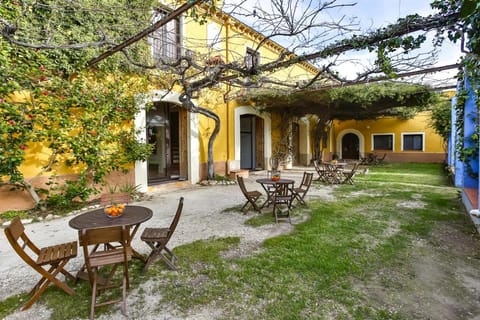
x: 373, y: 14
x: 377, y: 13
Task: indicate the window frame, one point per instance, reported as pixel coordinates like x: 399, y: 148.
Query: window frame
x: 383, y: 134
x: 252, y: 56
x: 159, y: 37
x: 405, y: 134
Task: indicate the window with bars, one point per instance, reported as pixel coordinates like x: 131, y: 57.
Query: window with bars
x: 252, y: 58
x: 165, y: 40
x: 383, y: 142
x: 413, y: 142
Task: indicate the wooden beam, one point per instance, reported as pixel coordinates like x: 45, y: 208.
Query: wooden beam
x: 382, y: 78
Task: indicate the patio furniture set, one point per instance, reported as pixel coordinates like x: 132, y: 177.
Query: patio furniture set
x: 280, y: 195
x: 106, y: 241
x: 373, y: 159
x: 336, y: 172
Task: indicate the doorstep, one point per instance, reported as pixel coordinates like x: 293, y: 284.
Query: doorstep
x: 234, y: 173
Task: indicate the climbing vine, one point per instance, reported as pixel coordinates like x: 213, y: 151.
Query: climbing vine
x: 62, y: 117
x: 467, y: 32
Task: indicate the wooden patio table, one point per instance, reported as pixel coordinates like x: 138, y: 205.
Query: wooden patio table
x: 269, y: 186
x: 335, y: 171
x: 132, y: 217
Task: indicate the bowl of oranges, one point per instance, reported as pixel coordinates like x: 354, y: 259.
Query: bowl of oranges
x: 114, y: 210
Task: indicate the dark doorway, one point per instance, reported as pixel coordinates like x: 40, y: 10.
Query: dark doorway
x: 350, y: 146
x: 163, y: 134
x: 251, y: 142
x: 296, y: 143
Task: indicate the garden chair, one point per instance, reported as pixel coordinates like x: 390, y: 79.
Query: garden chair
x: 114, y: 257
x: 251, y: 196
x: 300, y: 191
x: 157, y: 239
x: 48, y: 261
x: 111, y: 198
x: 350, y: 173
x: 333, y: 173
x: 380, y: 160
x: 321, y: 171
x: 282, y: 201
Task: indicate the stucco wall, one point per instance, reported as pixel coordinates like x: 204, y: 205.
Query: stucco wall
x: 22, y: 200
x: 433, y: 147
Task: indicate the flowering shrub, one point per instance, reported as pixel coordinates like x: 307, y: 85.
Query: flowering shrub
x: 85, y: 121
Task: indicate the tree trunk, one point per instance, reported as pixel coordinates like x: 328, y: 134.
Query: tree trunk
x: 33, y: 194
x: 190, y: 106
x: 211, y: 140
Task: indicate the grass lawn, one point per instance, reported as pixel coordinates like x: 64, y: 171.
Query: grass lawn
x: 357, y: 257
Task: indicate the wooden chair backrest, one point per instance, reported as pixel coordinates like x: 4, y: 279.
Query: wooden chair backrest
x: 16, y: 232
x: 110, y: 198
x: 283, y: 191
x: 355, y: 166
x: 241, y: 183
x: 104, y: 235
x: 319, y: 166
x: 176, y: 218
x: 306, y: 180
x: 95, y: 258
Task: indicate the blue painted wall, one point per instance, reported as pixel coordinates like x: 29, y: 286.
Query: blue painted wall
x: 463, y: 176
x: 470, y: 122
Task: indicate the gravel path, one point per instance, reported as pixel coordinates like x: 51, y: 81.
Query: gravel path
x: 202, y: 218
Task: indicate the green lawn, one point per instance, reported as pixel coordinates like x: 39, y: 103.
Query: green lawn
x: 313, y: 272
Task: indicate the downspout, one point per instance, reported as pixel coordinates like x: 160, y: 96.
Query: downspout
x: 227, y: 33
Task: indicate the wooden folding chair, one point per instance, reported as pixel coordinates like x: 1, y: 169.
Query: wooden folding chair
x: 251, y: 196
x: 300, y: 191
x: 110, y: 198
x: 321, y: 171
x: 282, y: 201
x: 350, y: 173
x: 115, y: 257
x: 49, y: 261
x: 157, y: 239
x: 380, y: 160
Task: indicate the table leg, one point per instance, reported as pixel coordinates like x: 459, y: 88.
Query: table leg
x: 269, y: 193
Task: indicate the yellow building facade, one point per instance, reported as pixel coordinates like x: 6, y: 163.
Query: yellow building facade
x: 402, y: 140
x: 247, y: 136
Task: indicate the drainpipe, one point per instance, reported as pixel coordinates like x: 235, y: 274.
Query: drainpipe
x: 227, y: 34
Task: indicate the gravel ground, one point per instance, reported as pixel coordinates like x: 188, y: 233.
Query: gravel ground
x: 202, y: 218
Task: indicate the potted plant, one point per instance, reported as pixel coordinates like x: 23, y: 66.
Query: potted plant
x: 118, y: 195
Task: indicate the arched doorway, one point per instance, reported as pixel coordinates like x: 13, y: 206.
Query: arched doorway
x: 251, y: 142
x: 350, y: 146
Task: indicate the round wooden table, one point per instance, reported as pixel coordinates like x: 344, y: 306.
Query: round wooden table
x: 132, y: 216
x: 269, y: 186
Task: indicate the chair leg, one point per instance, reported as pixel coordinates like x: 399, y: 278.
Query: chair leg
x: 125, y: 285
x: 169, y: 262
x: 35, y: 296
x: 47, y: 278
x: 94, y: 295
x: 157, y: 253
x: 299, y: 197
x: 252, y: 204
x: 151, y: 257
x: 243, y: 208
